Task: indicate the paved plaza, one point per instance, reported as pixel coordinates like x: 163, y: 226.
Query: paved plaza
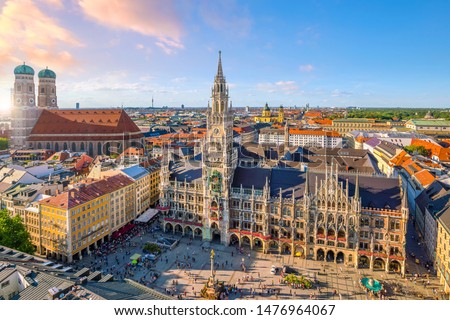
x: 184, y: 270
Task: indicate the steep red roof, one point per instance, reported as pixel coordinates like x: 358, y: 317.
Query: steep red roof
x: 83, y: 123
x: 82, y: 162
x: 77, y: 196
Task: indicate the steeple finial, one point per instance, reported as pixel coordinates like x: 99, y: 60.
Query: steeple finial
x: 357, y: 186
x: 219, y: 67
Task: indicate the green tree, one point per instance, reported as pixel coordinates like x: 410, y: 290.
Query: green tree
x: 419, y: 149
x: 13, y: 233
x: 152, y: 248
x: 3, y: 143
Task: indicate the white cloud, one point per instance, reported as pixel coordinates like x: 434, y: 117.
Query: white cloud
x: 167, y: 49
x: 157, y: 19
x: 287, y: 87
x: 340, y: 93
x: 34, y: 37
x: 306, y: 68
x: 179, y: 79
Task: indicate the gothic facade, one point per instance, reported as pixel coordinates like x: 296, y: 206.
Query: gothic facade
x: 358, y: 220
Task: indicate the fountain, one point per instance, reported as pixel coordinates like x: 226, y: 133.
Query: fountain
x: 372, y: 284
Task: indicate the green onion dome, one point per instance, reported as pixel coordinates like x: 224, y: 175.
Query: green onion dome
x: 24, y: 69
x: 47, y: 73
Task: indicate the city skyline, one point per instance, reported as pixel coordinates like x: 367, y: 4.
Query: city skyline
x: 322, y: 53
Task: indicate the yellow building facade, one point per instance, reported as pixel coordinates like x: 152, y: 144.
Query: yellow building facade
x: 77, y: 221
x: 443, y: 251
x: 267, y: 115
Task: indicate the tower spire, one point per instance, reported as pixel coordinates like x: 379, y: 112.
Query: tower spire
x: 219, y: 66
x: 357, y: 186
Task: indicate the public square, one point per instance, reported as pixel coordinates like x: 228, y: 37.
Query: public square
x: 184, y: 270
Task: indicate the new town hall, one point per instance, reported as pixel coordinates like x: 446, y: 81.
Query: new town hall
x: 227, y: 194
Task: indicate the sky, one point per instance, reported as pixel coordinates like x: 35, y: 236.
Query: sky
x: 109, y: 53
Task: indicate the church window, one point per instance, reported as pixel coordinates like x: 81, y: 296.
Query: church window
x: 42, y: 90
x: 19, y: 87
x: 53, y: 90
x: 30, y: 88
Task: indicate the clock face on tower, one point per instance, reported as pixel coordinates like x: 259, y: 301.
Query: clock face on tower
x: 53, y: 101
x: 216, y: 131
x: 19, y: 100
x: 31, y: 100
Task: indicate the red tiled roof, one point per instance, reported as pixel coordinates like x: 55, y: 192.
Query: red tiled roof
x: 83, y: 161
x: 443, y: 154
x: 77, y: 196
x: 399, y: 158
x: 313, y: 114
x: 82, y: 124
x: 424, y: 177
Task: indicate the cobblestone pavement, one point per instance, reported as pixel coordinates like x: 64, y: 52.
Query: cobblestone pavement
x: 335, y: 281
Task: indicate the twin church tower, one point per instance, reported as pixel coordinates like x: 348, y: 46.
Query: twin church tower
x: 24, y: 111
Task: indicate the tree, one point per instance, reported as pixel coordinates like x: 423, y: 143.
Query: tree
x: 13, y: 233
x: 3, y: 143
x: 152, y: 248
x: 419, y: 149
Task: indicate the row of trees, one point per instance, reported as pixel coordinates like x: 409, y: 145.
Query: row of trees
x: 397, y: 114
x: 13, y: 233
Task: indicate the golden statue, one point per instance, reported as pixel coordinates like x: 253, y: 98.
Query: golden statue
x: 212, y: 254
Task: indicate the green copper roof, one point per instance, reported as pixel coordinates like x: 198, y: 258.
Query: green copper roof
x: 46, y: 73
x: 430, y: 122
x: 266, y: 107
x: 24, y: 69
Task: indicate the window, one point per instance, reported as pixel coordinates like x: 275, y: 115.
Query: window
x: 395, y: 225
x: 378, y: 247
x: 364, y: 222
x: 363, y: 245
x: 379, y: 223
x: 364, y: 234
x: 5, y: 284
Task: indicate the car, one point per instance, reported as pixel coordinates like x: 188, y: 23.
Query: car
x: 150, y: 256
x: 273, y: 270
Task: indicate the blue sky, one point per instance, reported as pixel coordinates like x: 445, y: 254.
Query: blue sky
x: 327, y: 53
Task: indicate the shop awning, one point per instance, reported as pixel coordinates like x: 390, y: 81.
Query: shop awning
x: 147, y: 215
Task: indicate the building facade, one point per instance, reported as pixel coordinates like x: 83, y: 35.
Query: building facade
x: 351, y: 124
x: 268, y: 116
x: 429, y: 126
x: 359, y: 221
x: 94, y: 131
x: 23, y: 106
x: 78, y: 220
x: 47, y: 89
x: 314, y: 138
x: 443, y: 250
